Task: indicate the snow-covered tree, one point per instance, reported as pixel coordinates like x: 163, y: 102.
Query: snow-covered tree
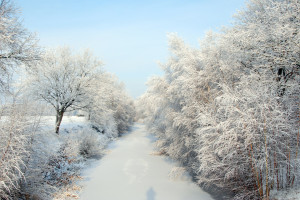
x: 111, y: 110
x: 17, y: 45
x: 257, y: 108
x: 62, y: 79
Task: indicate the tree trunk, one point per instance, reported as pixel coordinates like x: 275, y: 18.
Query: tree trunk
x: 59, y: 116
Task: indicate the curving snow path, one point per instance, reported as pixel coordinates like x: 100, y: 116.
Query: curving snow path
x: 130, y: 171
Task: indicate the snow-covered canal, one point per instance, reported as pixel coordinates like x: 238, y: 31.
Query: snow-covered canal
x: 130, y: 171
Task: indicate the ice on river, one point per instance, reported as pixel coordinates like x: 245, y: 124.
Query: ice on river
x: 130, y: 171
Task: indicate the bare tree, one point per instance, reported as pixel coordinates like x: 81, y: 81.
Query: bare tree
x: 62, y: 79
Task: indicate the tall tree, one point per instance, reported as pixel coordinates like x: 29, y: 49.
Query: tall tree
x: 62, y: 80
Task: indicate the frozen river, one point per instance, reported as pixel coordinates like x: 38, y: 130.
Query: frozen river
x: 131, y: 171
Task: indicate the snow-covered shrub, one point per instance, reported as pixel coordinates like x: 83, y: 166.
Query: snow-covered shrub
x: 64, y: 165
x: 50, y: 169
x: 102, y: 120
x: 89, y: 144
x: 75, y: 146
x: 14, y: 134
x: 43, y: 146
x: 54, y: 162
x: 18, y: 123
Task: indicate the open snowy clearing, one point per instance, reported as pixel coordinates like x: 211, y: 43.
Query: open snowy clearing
x: 131, y: 170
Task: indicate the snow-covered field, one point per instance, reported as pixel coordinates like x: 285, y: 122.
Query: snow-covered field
x: 132, y: 170
x: 68, y: 123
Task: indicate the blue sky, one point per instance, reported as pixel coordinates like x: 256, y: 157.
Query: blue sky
x: 129, y: 36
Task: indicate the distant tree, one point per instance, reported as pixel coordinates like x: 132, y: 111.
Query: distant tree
x: 110, y: 110
x: 62, y: 80
x: 17, y: 45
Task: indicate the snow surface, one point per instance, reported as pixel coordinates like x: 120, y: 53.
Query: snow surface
x: 292, y: 194
x: 68, y: 123
x: 131, y: 171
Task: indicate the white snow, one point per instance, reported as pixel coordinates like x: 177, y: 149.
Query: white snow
x: 291, y: 194
x: 131, y: 171
x: 68, y: 123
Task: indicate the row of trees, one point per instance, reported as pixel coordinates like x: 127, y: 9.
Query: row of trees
x: 31, y: 78
x: 229, y: 111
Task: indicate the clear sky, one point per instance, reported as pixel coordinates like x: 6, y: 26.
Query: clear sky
x: 129, y: 36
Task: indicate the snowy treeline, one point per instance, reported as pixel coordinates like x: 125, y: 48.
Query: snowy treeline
x: 229, y: 111
x: 35, y: 162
